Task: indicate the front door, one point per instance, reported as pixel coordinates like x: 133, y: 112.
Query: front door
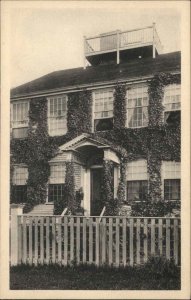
x: 96, y: 205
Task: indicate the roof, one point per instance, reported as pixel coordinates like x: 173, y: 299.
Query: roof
x: 99, y: 74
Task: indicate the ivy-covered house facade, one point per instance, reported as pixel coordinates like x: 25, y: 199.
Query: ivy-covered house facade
x: 106, y: 135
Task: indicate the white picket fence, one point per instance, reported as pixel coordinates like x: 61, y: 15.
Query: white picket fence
x: 93, y: 240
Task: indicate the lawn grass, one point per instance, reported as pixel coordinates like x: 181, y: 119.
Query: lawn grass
x: 84, y: 277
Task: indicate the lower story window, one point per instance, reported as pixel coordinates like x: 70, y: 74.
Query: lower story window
x: 137, y: 190
x: 20, y: 193
x: 55, y: 192
x: 172, y: 189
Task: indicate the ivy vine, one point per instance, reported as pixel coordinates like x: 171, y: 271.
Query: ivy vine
x: 119, y: 107
x: 155, y: 143
x: 79, y: 115
x: 108, y: 190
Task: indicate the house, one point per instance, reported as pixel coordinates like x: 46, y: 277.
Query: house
x: 104, y: 135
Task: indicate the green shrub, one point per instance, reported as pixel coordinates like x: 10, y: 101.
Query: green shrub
x: 152, y: 209
x: 162, y: 267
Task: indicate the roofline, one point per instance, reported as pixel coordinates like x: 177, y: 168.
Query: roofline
x: 90, y: 86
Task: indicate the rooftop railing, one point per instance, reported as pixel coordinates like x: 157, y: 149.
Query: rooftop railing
x: 121, y: 40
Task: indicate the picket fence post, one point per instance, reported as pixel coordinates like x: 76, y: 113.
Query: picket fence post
x: 16, y: 210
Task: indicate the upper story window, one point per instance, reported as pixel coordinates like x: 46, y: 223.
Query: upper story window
x: 20, y: 176
x: 137, y: 181
x: 20, y: 118
x: 56, y: 182
x: 103, y: 109
x: 137, y: 106
x: 172, y: 98
x: 171, y: 176
x: 57, y: 115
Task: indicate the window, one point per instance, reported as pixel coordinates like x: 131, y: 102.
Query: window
x: 103, y: 109
x: 137, y: 181
x: 137, y: 170
x: 137, y: 190
x: 137, y: 106
x: 172, y: 97
x: 171, y: 176
x: 172, y: 94
x: 171, y: 169
x: 20, y: 119
x: 57, y: 115
x: 172, y: 189
x: 56, y: 182
x: 20, y: 176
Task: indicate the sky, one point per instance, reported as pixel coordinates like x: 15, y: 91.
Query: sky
x: 46, y: 38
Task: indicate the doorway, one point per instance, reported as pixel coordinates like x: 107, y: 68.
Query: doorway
x: 96, y: 204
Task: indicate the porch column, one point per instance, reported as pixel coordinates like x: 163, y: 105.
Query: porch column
x: 116, y: 179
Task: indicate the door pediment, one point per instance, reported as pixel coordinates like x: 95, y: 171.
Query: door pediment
x: 82, y: 141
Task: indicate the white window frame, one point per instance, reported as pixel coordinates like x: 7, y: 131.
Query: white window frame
x: 174, y: 175
x: 111, y: 89
x: 169, y: 91
x: 137, y: 175
x: 104, y: 90
x: 52, y: 132
x: 137, y: 165
x: 137, y: 87
x: 17, y: 176
x: 54, y: 179
x: 19, y: 123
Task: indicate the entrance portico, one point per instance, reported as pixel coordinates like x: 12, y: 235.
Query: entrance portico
x: 90, y: 154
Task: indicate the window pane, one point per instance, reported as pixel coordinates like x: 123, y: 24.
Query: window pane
x: 103, y: 107
x: 20, y: 132
x: 137, y: 102
x: 20, y: 114
x: 20, y: 175
x: 57, y: 115
x: 19, y: 194
x: 172, y: 189
x: 137, y: 170
x: 172, y: 95
x: 57, y: 173
x: 137, y: 190
x: 103, y: 124
x: 55, y: 192
x: 171, y: 169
